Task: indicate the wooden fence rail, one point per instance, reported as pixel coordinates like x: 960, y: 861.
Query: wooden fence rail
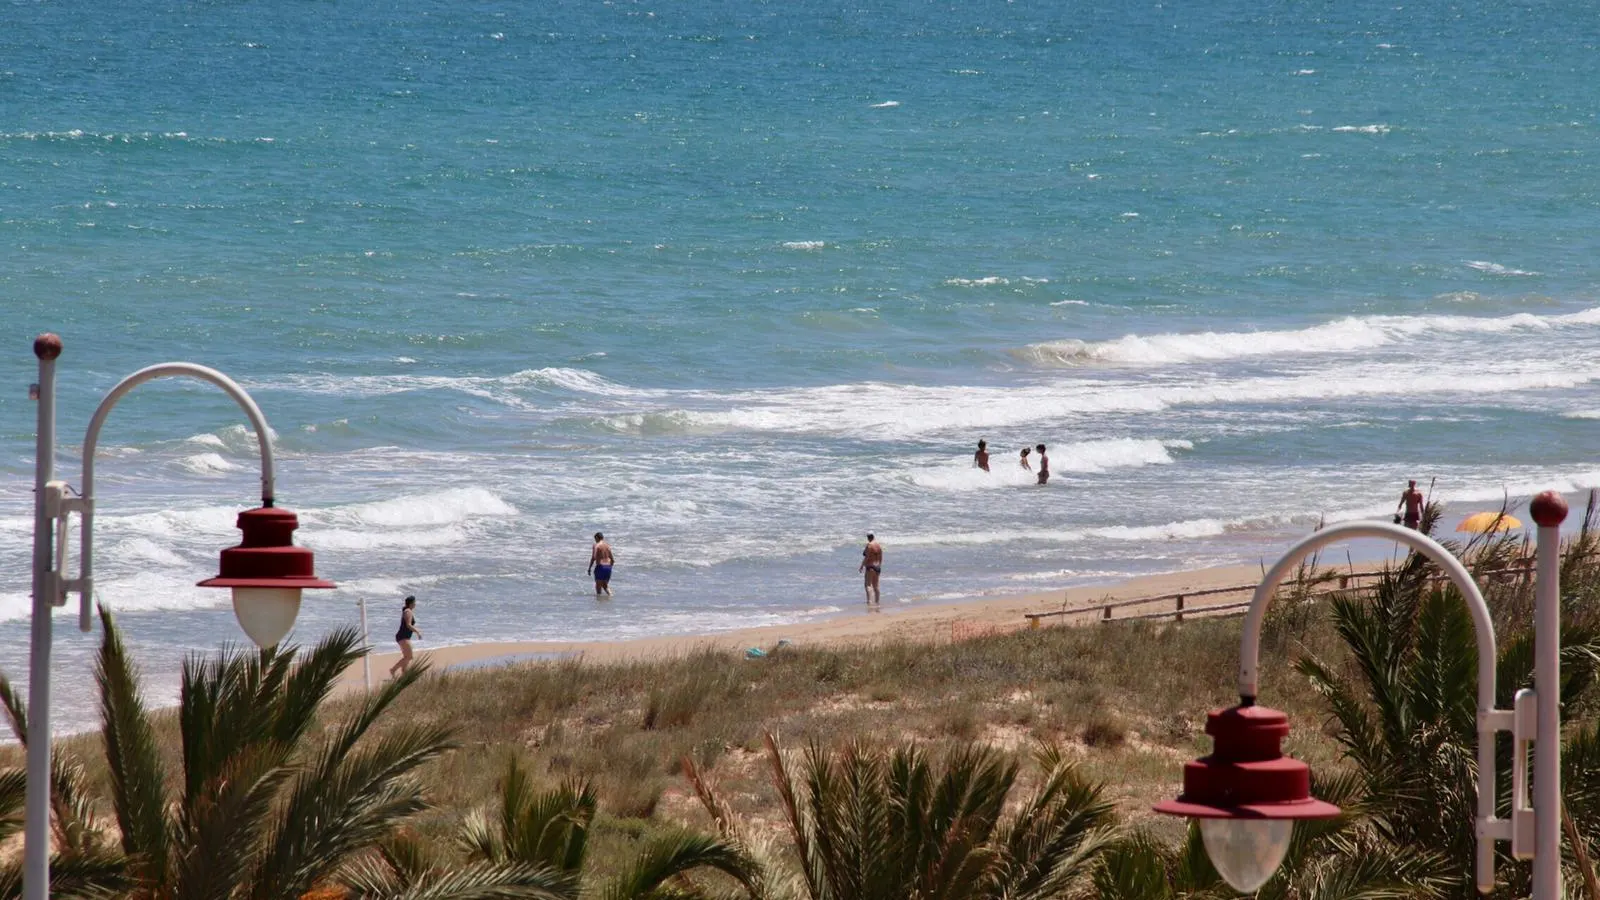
x: 1182, y: 607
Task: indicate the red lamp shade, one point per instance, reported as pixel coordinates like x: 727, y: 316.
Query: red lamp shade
x: 1247, y: 794
x: 267, y: 572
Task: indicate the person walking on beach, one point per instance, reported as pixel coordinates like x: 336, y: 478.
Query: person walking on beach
x: 872, y: 566
x: 408, y: 630
x: 1411, y: 499
x: 1044, y: 465
x: 1025, y: 460
x: 600, y: 562
x: 981, y: 458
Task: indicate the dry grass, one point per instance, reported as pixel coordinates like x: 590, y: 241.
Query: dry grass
x: 1128, y: 699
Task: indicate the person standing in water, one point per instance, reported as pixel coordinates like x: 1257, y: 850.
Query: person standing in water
x: 872, y: 566
x: 408, y: 630
x: 600, y: 562
x: 1025, y: 460
x: 981, y: 458
x: 1044, y: 465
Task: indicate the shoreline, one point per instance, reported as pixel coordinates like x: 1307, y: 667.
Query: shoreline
x: 924, y: 622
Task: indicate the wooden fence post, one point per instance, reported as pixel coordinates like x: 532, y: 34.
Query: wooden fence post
x: 1180, y: 609
x: 1107, y: 616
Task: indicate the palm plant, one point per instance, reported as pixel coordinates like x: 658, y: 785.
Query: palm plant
x: 263, y: 808
x: 874, y: 824
x: 1405, y: 707
x: 548, y: 832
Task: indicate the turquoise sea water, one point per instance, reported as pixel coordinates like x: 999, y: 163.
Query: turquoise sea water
x: 739, y: 282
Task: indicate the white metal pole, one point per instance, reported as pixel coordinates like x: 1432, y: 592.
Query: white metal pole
x: 1548, y: 510
x: 1483, y: 627
x: 366, y: 644
x: 36, y: 827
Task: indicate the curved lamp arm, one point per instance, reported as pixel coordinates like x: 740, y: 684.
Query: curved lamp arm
x: 85, y: 582
x: 1489, y: 719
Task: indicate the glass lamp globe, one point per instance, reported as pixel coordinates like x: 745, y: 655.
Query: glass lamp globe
x: 1246, y: 852
x: 266, y: 613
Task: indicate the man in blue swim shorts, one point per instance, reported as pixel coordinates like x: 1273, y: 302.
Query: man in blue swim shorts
x: 600, y: 562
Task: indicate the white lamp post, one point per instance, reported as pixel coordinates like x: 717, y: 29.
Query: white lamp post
x: 1240, y: 793
x: 266, y: 571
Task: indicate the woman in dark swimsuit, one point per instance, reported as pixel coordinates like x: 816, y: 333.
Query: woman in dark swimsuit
x: 408, y: 630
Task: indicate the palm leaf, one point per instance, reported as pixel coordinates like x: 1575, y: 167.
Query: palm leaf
x: 137, y: 777
x: 673, y: 856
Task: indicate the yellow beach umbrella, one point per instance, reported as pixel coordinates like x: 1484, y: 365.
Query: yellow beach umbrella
x: 1481, y: 523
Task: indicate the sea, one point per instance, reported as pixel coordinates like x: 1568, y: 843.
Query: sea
x: 737, y: 283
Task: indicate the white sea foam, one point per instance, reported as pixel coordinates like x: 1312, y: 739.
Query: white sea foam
x: 1493, y: 268
x: 887, y: 104
x: 147, y: 551
x: 1345, y: 335
x: 986, y: 281
x: 447, y: 507
x: 908, y: 411
x: 1363, y: 129
x: 1582, y: 414
x: 410, y: 538
x: 1190, y: 529
x: 207, y: 464
x: 1070, y: 303
x: 804, y: 245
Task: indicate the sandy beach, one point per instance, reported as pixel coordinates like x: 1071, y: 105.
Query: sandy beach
x: 929, y: 621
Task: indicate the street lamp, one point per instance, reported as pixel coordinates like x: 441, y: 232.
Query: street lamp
x: 1246, y: 795
x: 266, y: 571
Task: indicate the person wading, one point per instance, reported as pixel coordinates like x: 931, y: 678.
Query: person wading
x: 600, y: 561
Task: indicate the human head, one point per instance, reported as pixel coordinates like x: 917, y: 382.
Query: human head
x: 982, y: 443
x: 1040, y: 448
x: 1412, y: 483
x: 411, y: 602
x: 870, y: 537
x: 598, y: 537
x: 1024, y: 451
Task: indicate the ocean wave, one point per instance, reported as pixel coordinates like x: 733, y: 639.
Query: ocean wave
x: 498, y: 388
x: 207, y: 464
x: 803, y: 245
x: 892, y: 411
x: 1188, y: 529
x: 1362, y: 129
x: 411, y: 539
x: 447, y: 507
x: 1346, y: 335
x: 1582, y: 414
x: 1493, y: 268
x: 993, y: 281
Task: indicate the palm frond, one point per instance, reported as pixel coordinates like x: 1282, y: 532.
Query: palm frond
x: 368, y: 880
x: 343, y: 801
x: 672, y: 856
x: 137, y: 777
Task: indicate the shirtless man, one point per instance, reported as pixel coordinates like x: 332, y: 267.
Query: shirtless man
x: 600, y: 561
x: 1412, y: 501
x: 981, y: 458
x: 872, y: 565
x: 1044, y: 465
